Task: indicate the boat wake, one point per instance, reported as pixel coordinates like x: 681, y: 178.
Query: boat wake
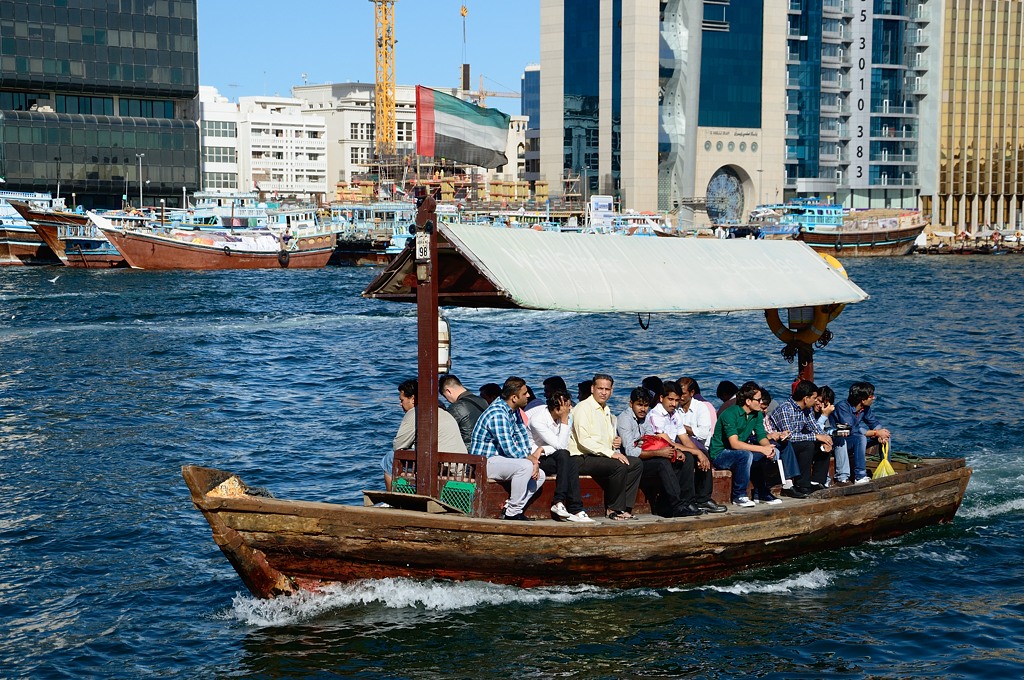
x: 400, y: 593
x: 817, y: 579
x: 986, y: 511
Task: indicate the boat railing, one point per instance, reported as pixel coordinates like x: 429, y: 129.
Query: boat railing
x: 461, y: 479
x: 77, y: 231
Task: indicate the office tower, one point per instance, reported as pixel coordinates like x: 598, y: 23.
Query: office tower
x: 858, y: 88
x: 980, y: 138
x: 599, y: 112
x: 94, y: 93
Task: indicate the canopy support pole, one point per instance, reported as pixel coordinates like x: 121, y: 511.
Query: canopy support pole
x: 805, y: 362
x: 426, y: 318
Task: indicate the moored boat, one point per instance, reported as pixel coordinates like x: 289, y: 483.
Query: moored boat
x: 171, y: 248
x: 447, y: 528
x: 72, y: 237
x: 831, y: 228
x: 19, y: 242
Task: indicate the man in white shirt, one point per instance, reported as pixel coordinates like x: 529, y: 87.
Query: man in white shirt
x: 691, y: 494
x: 695, y: 415
x: 549, y: 431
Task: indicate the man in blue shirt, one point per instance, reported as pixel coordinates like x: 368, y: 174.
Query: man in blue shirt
x: 501, y: 436
x: 855, y: 411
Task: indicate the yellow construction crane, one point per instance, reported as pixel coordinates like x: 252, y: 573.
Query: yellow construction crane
x: 385, y: 85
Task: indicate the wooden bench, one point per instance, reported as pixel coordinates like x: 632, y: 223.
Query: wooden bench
x: 490, y: 495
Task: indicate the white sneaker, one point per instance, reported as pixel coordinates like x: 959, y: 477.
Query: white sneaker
x: 744, y: 502
x: 862, y: 480
x: 580, y: 516
x: 559, y: 510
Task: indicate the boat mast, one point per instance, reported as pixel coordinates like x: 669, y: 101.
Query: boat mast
x: 426, y: 317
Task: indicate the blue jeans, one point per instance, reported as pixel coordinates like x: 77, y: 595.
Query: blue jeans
x: 388, y: 462
x: 739, y: 463
x: 842, y: 461
x: 857, y: 445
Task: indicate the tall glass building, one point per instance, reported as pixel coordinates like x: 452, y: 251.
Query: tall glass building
x: 857, y: 86
x: 605, y: 65
x: 90, y: 92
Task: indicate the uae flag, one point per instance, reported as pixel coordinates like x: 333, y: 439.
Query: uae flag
x: 447, y: 127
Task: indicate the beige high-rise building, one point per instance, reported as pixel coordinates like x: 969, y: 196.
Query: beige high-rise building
x: 981, y: 131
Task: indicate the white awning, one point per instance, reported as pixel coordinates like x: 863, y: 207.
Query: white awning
x: 607, y: 273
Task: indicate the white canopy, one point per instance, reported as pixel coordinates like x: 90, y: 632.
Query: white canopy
x: 607, y: 273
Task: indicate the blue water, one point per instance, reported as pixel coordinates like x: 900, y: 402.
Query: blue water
x: 111, y: 380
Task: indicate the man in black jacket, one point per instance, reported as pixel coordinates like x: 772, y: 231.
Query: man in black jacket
x: 465, y: 407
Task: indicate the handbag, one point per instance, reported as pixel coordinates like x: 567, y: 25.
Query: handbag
x: 651, y: 442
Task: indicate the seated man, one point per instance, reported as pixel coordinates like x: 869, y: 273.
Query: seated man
x: 855, y: 411
x: 789, y: 468
x: 729, y: 448
x: 669, y: 477
x: 695, y: 416
x: 726, y: 393
x: 810, y: 443
x: 465, y: 407
x: 448, y: 438
x: 824, y: 414
x: 502, y: 438
x: 549, y: 431
x: 489, y: 392
x: 593, y: 438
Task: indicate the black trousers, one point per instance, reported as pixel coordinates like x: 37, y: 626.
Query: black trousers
x: 619, y: 480
x: 567, y: 480
x: 813, y: 463
x: 667, y: 485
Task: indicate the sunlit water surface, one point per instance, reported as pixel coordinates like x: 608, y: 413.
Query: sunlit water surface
x: 111, y: 380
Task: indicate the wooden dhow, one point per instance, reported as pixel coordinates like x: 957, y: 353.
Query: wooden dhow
x: 447, y: 528
x: 175, y: 248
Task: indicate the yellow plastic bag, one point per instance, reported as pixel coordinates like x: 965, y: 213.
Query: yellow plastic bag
x: 884, y: 468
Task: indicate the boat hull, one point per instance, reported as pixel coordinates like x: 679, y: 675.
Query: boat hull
x: 21, y: 245
x: 866, y: 243
x: 147, y: 251
x: 279, y: 547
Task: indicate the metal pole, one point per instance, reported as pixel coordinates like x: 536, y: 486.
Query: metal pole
x: 139, y: 156
x: 57, y: 158
x: 427, y: 300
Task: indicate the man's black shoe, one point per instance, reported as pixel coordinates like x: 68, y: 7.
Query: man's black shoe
x: 690, y: 510
x: 521, y: 517
x: 711, y: 506
x: 794, y: 492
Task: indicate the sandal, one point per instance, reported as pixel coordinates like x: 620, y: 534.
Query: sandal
x: 620, y: 516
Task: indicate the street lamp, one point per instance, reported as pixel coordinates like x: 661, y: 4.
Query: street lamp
x: 74, y: 202
x: 139, y: 156
x: 57, y: 158
x: 184, y: 200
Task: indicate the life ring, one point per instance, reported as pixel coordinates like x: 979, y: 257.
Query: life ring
x: 810, y: 334
x: 227, y: 251
x: 283, y: 257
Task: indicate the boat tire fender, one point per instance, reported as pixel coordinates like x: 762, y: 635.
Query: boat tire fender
x: 283, y: 257
x: 227, y: 251
x: 839, y: 247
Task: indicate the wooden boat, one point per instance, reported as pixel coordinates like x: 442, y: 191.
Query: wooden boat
x: 19, y: 242
x: 170, y: 248
x: 831, y: 228
x: 447, y: 527
x: 71, y: 236
x: 279, y: 546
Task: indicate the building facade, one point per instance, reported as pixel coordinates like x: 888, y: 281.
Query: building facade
x: 740, y: 136
x: 980, y: 130
x: 282, y: 151
x: 100, y: 97
x: 347, y: 110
